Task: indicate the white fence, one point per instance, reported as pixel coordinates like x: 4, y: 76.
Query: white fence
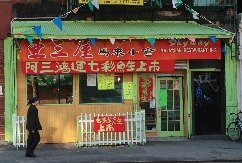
x: 134, y: 130
x: 19, y: 131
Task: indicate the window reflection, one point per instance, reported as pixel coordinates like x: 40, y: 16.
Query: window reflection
x: 51, y: 89
x: 93, y: 94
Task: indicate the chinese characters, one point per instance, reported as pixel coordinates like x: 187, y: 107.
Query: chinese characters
x: 109, y: 124
x: 136, y: 50
x: 60, y: 67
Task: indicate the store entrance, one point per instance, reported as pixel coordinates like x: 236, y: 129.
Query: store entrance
x: 169, y: 106
x: 206, y: 103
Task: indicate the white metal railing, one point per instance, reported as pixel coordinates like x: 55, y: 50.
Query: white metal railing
x: 19, y: 131
x: 134, y: 130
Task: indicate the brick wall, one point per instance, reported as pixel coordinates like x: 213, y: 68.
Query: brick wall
x: 5, y: 17
x: 2, y: 133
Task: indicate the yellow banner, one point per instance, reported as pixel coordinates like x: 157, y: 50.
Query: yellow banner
x: 117, y: 2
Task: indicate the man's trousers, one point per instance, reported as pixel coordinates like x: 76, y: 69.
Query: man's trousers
x: 33, y: 141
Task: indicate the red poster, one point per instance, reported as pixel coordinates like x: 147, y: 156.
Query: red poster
x: 96, y: 66
x: 164, y: 49
x: 109, y: 124
x: 146, y: 88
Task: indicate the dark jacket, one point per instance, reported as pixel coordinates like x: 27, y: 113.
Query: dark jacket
x: 33, y: 119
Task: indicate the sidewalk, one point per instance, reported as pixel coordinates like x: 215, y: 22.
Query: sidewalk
x: 188, y: 150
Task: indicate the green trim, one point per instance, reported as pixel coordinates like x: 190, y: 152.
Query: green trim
x: 118, y: 29
x: 135, y: 93
x: 189, y: 101
x: 10, y: 89
x: 230, y: 82
x: 15, y: 79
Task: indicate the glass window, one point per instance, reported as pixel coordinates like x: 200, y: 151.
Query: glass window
x: 90, y: 92
x: 51, y: 89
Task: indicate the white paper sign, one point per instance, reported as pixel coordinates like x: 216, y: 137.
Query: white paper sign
x: 91, y: 79
x: 1, y: 90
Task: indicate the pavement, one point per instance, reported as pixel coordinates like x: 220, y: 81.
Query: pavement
x: 155, y: 150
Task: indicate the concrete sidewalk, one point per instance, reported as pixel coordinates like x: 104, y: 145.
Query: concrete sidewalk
x: 188, y: 150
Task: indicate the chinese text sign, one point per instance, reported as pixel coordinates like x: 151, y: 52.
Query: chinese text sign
x: 109, y: 124
x: 105, y: 81
x: 70, y: 50
x: 146, y: 88
x: 128, y: 90
x: 70, y: 67
x: 116, y: 2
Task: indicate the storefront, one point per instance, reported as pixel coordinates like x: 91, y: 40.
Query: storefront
x: 111, y: 68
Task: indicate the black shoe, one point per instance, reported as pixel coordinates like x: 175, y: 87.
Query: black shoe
x: 30, y: 154
x: 27, y: 155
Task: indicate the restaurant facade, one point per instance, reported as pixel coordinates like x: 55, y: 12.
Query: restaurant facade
x: 178, y: 72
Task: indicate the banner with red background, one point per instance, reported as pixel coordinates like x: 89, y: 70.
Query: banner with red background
x: 73, y: 50
x: 146, y: 88
x: 96, y: 66
x: 109, y: 124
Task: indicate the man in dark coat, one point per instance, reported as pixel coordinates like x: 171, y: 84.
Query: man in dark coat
x: 33, y: 125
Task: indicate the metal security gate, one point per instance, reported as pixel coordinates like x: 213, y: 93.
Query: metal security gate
x: 134, y: 131
x: 19, y: 131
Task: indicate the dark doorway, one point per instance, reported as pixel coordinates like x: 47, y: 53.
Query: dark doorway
x: 206, y: 103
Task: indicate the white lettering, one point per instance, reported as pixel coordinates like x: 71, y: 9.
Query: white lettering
x: 185, y: 43
x: 206, y: 43
x: 172, y: 42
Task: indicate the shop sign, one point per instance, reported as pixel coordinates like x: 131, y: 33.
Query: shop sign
x: 109, y: 124
x: 146, y: 88
x: 67, y: 50
x: 96, y: 66
x: 116, y: 2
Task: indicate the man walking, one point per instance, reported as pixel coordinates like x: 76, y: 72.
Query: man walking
x: 33, y: 125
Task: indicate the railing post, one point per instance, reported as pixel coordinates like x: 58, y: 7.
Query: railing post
x: 14, y: 129
x: 142, y: 112
x: 77, y: 131
x: 19, y: 131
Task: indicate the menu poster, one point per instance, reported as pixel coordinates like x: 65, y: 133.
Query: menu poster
x: 105, y: 81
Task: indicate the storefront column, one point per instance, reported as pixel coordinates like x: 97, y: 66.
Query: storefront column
x: 230, y: 82
x: 239, y: 63
x: 10, y: 87
x: 135, y: 92
x: 189, y: 99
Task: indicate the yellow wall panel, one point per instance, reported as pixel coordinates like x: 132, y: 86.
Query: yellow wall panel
x: 59, y: 121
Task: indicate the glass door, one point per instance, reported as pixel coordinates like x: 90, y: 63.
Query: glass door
x: 169, y: 107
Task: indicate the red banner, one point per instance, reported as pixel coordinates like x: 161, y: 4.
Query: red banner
x: 109, y: 124
x: 70, y: 50
x: 96, y: 66
x: 146, y: 88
